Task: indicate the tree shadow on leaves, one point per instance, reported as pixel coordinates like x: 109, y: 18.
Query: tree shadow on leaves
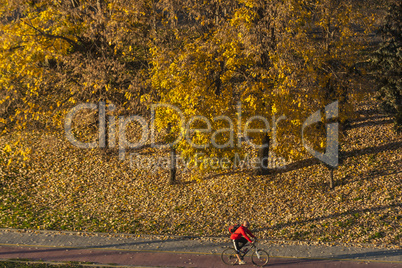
x: 331, y: 216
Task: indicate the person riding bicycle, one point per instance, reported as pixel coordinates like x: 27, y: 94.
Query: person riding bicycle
x: 240, y: 238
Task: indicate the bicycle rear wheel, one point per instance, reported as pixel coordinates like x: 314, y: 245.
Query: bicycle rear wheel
x: 261, y: 258
x: 229, y: 256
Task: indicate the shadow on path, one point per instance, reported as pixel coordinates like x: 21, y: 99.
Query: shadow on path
x: 105, y: 247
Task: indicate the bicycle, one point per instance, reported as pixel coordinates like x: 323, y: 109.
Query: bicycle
x: 259, y: 257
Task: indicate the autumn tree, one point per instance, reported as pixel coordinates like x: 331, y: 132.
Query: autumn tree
x: 386, y: 62
x: 208, y: 68
x: 277, y: 60
x: 56, y: 54
x: 233, y: 76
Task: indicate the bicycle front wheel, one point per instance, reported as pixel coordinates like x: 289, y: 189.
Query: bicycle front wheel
x: 229, y: 256
x: 260, y: 258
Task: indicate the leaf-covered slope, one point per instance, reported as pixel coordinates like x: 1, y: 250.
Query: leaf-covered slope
x: 73, y: 189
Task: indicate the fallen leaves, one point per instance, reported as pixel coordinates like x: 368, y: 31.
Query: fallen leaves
x: 84, y: 190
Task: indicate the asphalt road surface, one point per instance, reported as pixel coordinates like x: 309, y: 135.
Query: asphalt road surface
x: 158, y: 251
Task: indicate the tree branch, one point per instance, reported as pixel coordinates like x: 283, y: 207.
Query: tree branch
x: 42, y: 33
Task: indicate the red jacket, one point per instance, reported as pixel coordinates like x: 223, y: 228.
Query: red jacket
x: 242, y: 231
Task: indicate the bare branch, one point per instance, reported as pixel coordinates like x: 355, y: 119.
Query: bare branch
x: 51, y: 36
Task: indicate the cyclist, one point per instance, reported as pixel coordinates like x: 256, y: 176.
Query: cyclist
x: 240, y: 238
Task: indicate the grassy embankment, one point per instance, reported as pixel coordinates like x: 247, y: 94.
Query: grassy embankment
x: 65, y: 188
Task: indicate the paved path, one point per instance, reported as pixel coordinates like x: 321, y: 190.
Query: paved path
x: 173, y: 251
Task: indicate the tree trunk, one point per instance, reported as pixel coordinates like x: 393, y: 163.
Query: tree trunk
x: 172, y: 178
x: 103, y: 126
x: 263, y: 156
x: 331, y: 178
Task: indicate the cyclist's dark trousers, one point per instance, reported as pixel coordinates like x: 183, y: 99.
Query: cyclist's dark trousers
x: 239, y: 243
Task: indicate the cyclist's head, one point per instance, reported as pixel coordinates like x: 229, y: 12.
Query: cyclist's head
x: 246, y: 224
